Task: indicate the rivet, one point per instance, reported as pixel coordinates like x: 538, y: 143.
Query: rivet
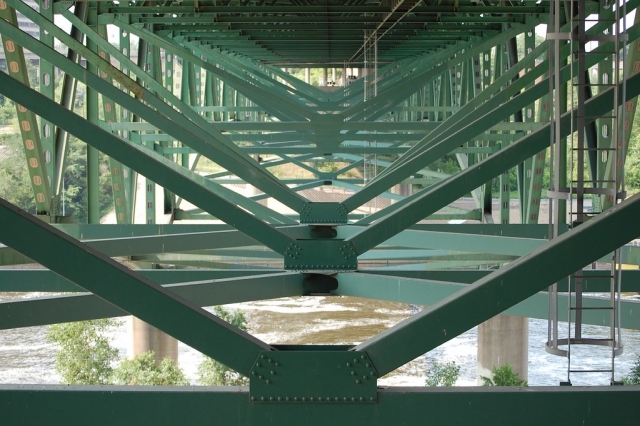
x: 258, y: 364
x: 320, y: 399
x: 368, y: 365
x: 328, y: 399
x: 262, y: 356
x: 277, y: 364
x: 279, y: 398
x: 348, y: 364
x: 365, y: 377
x: 287, y: 398
x: 362, y: 357
x: 270, y: 398
x: 353, y: 373
x: 304, y: 398
x: 253, y: 398
x: 270, y: 360
x: 263, y: 399
x: 268, y: 381
x: 353, y: 398
x: 372, y: 399
x: 261, y: 377
x: 345, y: 399
x: 361, y: 398
x: 253, y: 373
x: 355, y: 360
x: 312, y: 399
x: 372, y: 373
x: 295, y: 398
x: 358, y: 382
x: 273, y: 373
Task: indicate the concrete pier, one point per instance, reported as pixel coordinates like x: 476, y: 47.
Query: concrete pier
x: 504, y: 339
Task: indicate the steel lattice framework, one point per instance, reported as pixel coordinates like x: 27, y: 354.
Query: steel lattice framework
x: 209, y: 81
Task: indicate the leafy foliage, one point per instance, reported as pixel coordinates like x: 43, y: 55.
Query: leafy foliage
x: 634, y: 375
x: 86, y: 355
x: 15, y: 184
x: 503, y: 376
x: 443, y: 374
x: 213, y: 373
x: 144, y: 371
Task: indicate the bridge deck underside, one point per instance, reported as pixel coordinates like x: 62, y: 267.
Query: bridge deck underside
x: 460, y: 117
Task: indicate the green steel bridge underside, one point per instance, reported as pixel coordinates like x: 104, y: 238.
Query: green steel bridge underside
x: 187, y: 82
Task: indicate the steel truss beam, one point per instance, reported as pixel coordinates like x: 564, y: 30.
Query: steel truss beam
x: 146, y: 406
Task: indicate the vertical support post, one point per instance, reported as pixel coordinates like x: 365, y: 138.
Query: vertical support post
x: 93, y: 162
x: 47, y: 88
x: 117, y: 181
x: 28, y: 123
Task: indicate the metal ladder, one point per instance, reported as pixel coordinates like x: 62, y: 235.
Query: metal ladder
x: 580, y: 184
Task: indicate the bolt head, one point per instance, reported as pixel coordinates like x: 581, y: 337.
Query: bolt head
x: 358, y: 382
x: 273, y: 373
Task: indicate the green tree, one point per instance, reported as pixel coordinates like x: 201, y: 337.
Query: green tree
x: 503, y: 376
x: 85, y: 356
x: 213, y: 373
x: 15, y: 184
x: 443, y: 374
x: 143, y: 370
x: 633, y: 378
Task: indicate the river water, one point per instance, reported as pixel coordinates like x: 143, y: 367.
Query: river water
x: 27, y: 357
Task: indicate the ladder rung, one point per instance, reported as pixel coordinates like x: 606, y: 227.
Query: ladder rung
x: 592, y: 308
x: 591, y: 371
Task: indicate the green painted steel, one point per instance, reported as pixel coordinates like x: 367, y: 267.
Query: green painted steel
x: 143, y: 406
x: 27, y: 123
x: 85, y: 306
x: 169, y: 176
x: 45, y: 281
x: 493, y: 294
x: 122, y: 287
x: 213, y: 83
x: 426, y: 291
x: 417, y: 207
x: 308, y: 377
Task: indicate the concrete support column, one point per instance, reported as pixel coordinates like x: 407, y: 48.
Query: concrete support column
x: 333, y: 76
x: 504, y: 339
x: 402, y: 189
x: 145, y: 337
x: 307, y: 75
x: 324, y: 77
